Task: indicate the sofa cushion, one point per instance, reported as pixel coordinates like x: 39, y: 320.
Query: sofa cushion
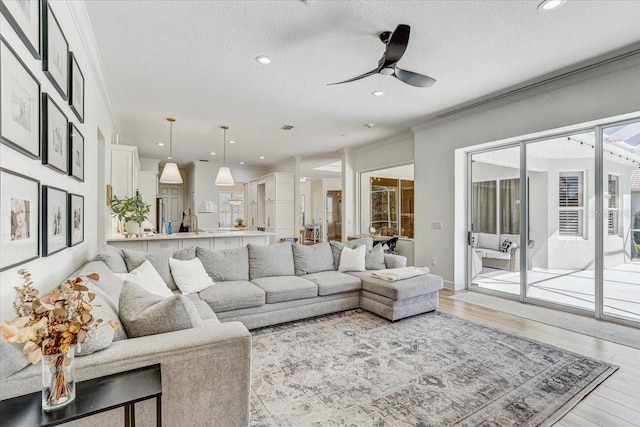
x: 105, y: 305
x: 225, y: 265
x: 490, y: 253
x: 334, y: 282
x: 286, y: 288
x: 374, y: 259
x: 159, y: 260
x: 312, y: 259
x: 112, y: 257
x: 270, y: 261
x: 401, y: 289
x: 144, y: 313
x: 12, y: 359
x: 233, y: 295
x: 336, y: 247
x: 488, y: 241
x: 204, y: 310
x: 395, y: 261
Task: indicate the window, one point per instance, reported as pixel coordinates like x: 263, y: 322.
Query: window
x: 613, y: 208
x: 570, y: 204
x: 497, y: 212
x: 231, y: 208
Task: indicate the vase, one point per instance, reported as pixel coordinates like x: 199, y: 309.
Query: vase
x: 58, y: 380
x: 132, y: 227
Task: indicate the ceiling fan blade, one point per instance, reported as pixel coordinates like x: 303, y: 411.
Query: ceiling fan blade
x: 413, y: 79
x: 397, y: 45
x: 370, y: 73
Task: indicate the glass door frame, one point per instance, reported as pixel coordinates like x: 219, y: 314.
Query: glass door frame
x: 599, y: 215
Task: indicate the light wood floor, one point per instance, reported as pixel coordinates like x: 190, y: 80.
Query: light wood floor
x: 614, y: 403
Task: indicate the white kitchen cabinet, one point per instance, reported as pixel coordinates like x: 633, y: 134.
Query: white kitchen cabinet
x: 125, y: 167
x: 227, y: 242
x: 274, y: 205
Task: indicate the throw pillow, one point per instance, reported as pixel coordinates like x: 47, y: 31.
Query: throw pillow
x: 148, y: 278
x: 374, y: 259
x: 159, y: 260
x: 352, y: 259
x: 312, y: 259
x: 272, y: 260
x: 225, y: 265
x: 13, y: 360
x: 336, y: 247
x: 190, y: 276
x: 113, y: 257
x: 507, y: 245
x: 143, y: 313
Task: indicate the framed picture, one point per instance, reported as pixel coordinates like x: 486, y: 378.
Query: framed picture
x: 76, y: 88
x: 76, y: 153
x: 19, y: 208
x: 75, y: 234
x: 55, y: 136
x: 54, y: 220
x: 19, y: 104
x: 55, y: 51
x: 24, y: 17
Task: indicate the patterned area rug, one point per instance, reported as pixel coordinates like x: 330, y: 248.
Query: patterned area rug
x: 357, y: 369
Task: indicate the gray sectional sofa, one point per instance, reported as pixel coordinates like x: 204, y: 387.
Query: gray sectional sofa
x: 206, y: 365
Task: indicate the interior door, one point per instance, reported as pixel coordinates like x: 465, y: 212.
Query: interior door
x: 173, y: 205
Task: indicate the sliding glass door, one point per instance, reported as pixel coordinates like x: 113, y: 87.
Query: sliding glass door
x: 562, y: 238
x: 494, y: 236
x: 621, y: 230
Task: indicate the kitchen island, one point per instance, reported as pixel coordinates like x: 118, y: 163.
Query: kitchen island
x: 217, y: 239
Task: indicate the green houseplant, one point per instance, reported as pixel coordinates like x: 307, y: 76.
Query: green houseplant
x: 133, y: 210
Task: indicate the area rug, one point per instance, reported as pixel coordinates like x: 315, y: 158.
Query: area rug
x: 357, y: 369
x: 620, y: 334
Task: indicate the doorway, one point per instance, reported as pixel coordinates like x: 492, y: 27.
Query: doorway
x: 334, y: 215
x: 173, y: 205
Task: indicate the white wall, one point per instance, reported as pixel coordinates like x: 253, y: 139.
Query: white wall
x: 48, y: 272
x: 598, y: 93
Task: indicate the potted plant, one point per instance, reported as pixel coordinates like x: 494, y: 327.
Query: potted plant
x: 239, y: 223
x: 133, y: 210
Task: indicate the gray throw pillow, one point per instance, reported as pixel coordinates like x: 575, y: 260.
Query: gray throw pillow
x: 225, y: 265
x: 12, y: 359
x: 336, y: 247
x: 159, y: 260
x: 144, y: 313
x: 269, y: 261
x: 374, y: 259
x: 312, y: 259
x: 113, y: 257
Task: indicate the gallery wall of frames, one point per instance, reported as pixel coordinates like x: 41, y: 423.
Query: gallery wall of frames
x: 40, y: 218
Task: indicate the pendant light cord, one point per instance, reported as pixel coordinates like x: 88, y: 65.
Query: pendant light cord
x: 224, y: 144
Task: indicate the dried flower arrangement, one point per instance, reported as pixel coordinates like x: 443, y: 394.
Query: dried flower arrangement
x: 50, y: 325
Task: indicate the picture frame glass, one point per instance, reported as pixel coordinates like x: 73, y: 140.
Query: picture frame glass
x: 55, y: 220
x: 76, y: 99
x: 56, y: 137
x: 56, y: 62
x: 19, y: 220
x: 25, y: 14
x: 76, y: 221
x: 76, y: 153
x: 19, y: 104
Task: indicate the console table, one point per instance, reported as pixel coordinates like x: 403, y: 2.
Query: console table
x: 102, y: 394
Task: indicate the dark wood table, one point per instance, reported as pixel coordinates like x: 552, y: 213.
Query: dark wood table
x: 102, y: 394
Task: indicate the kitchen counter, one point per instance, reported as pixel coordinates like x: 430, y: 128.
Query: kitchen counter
x: 217, y: 239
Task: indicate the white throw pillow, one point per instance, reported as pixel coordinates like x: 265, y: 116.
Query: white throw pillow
x: 353, y: 259
x: 148, y: 279
x: 190, y: 275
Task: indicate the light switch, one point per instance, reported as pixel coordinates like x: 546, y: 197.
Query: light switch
x: 436, y: 225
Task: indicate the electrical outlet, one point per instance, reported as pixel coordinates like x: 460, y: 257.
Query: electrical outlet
x: 434, y: 262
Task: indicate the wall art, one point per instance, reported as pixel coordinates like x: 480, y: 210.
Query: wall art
x: 55, y: 51
x: 76, y: 153
x: 54, y: 220
x: 24, y: 17
x: 76, y: 220
x: 76, y: 88
x: 55, y: 136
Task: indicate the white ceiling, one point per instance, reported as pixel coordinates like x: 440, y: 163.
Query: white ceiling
x: 194, y: 60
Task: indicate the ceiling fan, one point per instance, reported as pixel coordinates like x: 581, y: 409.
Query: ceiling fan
x: 396, y: 43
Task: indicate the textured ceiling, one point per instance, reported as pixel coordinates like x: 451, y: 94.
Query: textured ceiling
x: 194, y: 60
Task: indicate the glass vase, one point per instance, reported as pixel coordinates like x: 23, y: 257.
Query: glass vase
x: 58, y: 380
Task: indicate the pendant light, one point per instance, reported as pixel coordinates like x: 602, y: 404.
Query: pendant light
x: 224, y: 178
x: 170, y: 173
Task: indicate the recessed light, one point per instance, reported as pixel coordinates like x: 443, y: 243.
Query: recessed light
x: 368, y: 125
x: 550, y: 5
x: 242, y: 163
x: 231, y: 142
x: 161, y: 144
x: 213, y: 153
x: 377, y: 93
x: 261, y: 157
x: 262, y: 59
